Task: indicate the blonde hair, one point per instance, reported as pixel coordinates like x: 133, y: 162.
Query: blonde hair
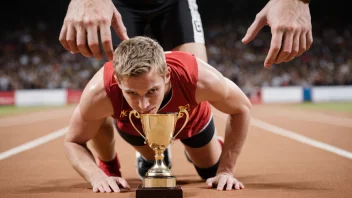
x: 137, y: 56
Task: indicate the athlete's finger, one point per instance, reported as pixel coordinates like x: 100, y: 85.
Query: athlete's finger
x: 123, y: 183
x: 113, y: 185
x: 209, y: 182
x: 229, y: 184
x: 106, y: 186
x: 221, y: 183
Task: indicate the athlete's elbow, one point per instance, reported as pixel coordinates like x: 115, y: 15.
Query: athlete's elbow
x: 247, y: 105
x: 243, y: 108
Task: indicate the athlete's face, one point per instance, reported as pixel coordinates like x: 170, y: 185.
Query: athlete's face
x: 145, y: 93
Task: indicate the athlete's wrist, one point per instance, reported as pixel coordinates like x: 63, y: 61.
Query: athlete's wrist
x: 224, y: 171
x: 96, y: 176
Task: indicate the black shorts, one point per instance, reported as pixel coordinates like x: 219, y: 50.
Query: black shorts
x: 170, y: 22
x: 199, y: 140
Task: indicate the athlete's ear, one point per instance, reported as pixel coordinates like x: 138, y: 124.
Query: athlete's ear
x: 118, y: 81
x: 168, y: 75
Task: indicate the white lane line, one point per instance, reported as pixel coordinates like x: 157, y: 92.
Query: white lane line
x: 319, y: 118
x: 292, y: 135
x: 33, y: 143
x: 300, y: 138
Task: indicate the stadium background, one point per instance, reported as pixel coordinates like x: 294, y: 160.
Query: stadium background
x: 32, y: 57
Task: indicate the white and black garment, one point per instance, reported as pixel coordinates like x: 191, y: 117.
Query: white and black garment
x: 170, y: 22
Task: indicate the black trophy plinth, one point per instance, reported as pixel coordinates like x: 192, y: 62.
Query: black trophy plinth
x: 159, y: 192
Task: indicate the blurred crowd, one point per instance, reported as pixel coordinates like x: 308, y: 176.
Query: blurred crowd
x: 328, y: 62
x: 32, y: 58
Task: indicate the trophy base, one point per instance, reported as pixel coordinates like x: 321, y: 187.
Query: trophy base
x: 159, y: 192
x: 159, y: 182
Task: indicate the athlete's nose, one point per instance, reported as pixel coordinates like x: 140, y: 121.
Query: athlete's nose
x: 143, y: 103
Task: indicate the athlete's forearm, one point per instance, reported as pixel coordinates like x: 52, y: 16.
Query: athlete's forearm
x: 83, y: 161
x: 235, y: 136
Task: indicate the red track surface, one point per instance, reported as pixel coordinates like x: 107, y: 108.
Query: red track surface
x: 269, y: 166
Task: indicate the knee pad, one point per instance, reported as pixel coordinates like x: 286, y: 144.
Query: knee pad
x: 206, y: 173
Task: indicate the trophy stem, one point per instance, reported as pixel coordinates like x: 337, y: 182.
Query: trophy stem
x: 159, y: 160
x: 159, y: 175
x: 159, y: 168
x: 159, y: 156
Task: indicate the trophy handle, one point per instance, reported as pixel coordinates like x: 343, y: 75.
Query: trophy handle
x: 137, y: 115
x: 180, y: 115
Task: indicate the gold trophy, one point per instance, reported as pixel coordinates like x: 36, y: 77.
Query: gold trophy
x: 159, y: 130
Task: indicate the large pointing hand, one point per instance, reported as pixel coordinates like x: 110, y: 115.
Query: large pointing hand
x: 291, y: 29
x: 84, y: 19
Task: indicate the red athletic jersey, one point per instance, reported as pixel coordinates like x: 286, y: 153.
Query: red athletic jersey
x: 184, y: 77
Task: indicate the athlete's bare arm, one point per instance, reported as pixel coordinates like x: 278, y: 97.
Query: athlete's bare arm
x: 86, y: 120
x: 228, y: 98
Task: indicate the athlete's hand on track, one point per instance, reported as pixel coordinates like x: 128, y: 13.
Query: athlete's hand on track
x: 291, y: 29
x: 109, y: 184
x: 224, y: 179
x: 83, y: 21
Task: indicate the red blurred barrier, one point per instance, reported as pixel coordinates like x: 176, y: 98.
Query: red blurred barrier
x: 73, y: 96
x: 7, y: 98
x: 256, y: 97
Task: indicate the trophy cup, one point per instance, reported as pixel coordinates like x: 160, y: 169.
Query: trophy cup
x: 158, y: 134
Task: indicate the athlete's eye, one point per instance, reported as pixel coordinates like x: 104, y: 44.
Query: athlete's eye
x: 152, y: 91
x: 132, y: 93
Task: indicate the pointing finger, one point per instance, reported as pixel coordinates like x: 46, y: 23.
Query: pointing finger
x: 118, y: 26
x: 253, y: 30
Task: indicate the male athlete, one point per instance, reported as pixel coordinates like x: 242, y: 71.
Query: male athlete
x: 145, y: 78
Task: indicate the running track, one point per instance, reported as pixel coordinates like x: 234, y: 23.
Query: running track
x: 288, y: 153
